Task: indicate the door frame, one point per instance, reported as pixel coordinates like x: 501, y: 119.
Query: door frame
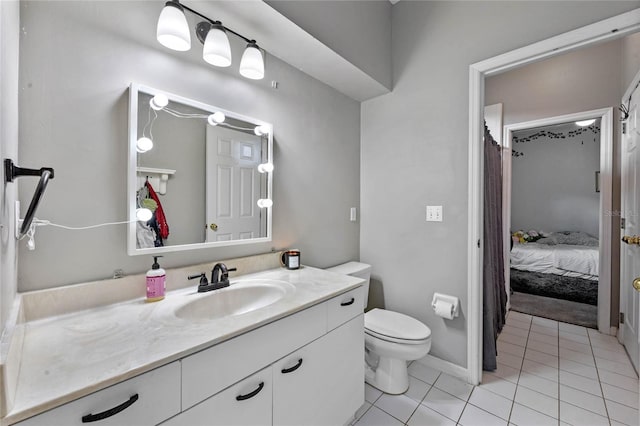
x: 606, y: 189
x: 599, y: 32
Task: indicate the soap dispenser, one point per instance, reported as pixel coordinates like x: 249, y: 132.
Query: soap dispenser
x: 156, y: 280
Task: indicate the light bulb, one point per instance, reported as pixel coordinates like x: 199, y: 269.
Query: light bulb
x: 159, y: 101
x: 265, y: 203
x: 265, y: 168
x: 261, y: 130
x: 31, y: 243
x: 252, y: 64
x: 144, y: 144
x: 217, y: 50
x: 216, y: 118
x: 173, y: 29
x: 143, y: 215
x: 585, y: 123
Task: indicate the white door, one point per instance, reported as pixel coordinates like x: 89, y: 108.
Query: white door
x: 630, y: 253
x: 233, y: 185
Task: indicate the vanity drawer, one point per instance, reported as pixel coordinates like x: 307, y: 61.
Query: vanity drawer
x: 149, y: 399
x: 344, y: 307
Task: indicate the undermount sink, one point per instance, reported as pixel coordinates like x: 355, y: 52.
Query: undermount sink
x: 240, y: 298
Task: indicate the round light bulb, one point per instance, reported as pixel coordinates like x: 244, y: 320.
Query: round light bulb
x: 216, y: 118
x: 252, y: 64
x: 173, y: 30
x: 159, y: 101
x: 265, y: 203
x: 585, y: 123
x: 265, y: 168
x: 261, y: 130
x: 144, y: 144
x: 143, y: 215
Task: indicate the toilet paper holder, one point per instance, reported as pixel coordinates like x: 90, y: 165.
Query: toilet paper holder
x: 454, y: 301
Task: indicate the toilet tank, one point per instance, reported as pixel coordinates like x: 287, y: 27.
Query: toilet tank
x: 356, y: 269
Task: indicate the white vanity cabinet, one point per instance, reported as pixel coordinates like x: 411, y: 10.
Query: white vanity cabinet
x: 146, y: 399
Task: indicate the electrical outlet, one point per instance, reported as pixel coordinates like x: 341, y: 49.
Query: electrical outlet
x: 434, y: 213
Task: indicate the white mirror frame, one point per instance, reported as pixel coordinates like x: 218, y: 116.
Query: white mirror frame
x: 134, y: 90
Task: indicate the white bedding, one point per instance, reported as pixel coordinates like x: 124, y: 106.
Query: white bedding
x: 565, y: 260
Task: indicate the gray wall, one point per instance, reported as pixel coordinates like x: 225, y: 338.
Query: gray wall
x: 360, y: 31
x: 9, y: 43
x: 76, y: 62
x: 630, y: 59
x: 414, y: 147
x: 553, y: 182
x: 583, y: 80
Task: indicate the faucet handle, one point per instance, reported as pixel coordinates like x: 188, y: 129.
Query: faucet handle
x: 202, y: 276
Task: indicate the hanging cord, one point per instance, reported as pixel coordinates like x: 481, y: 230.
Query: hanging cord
x: 179, y: 114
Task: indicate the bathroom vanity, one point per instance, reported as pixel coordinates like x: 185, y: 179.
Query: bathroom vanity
x: 296, y: 360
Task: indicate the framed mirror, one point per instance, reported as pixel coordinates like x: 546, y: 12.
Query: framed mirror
x: 199, y: 176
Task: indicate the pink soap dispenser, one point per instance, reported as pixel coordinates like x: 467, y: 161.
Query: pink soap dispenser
x: 156, y: 281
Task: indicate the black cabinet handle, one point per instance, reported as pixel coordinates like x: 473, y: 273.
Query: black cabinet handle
x: 292, y: 369
x: 252, y: 394
x: 110, y: 412
x: 350, y: 302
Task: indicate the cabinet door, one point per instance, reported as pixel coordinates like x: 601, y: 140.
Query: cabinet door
x: 323, y: 382
x: 144, y: 400
x: 247, y: 403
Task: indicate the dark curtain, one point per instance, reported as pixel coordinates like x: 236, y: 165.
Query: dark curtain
x: 494, y: 294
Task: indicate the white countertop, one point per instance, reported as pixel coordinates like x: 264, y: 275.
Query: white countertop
x: 65, y: 357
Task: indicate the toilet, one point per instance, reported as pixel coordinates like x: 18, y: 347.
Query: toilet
x: 391, y: 339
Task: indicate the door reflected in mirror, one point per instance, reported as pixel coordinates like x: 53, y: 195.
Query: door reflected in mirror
x: 202, y: 172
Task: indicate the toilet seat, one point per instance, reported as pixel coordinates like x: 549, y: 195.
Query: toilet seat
x: 395, y: 327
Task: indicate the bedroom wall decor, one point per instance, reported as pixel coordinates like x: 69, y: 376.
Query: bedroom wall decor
x: 594, y: 129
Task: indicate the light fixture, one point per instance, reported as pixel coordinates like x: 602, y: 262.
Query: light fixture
x: 251, y: 64
x: 216, y: 50
x: 159, y: 101
x: 143, y: 214
x: 584, y: 123
x: 144, y: 144
x: 265, y: 203
x: 173, y: 32
x: 173, y: 29
x: 261, y: 130
x: 265, y: 167
x: 216, y: 118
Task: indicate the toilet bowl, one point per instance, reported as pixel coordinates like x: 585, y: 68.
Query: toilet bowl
x: 391, y: 339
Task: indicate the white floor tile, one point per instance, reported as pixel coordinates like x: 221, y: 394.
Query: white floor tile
x: 371, y: 393
x: 544, y: 338
x: 629, y: 383
x: 425, y: 416
x: 537, y: 401
x: 535, y: 328
x: 604, y: 341
x: 624, y: 369
x: 445, y: 404
x: 580, y: 382
x: 622, y: 413
x: 519, y: 316
x: 621, y: 396
x: 615, y: 356
x: 506, y: 372
x: 581, y: 357
x: 571, y: 328
x: 539, y: 384
x: 544, y: 322
x: 575, y: 346
x: 491, y: 402
x: 564, y: 335
x: 519, y: 324
x: 542, y: 358
x: 399, y: 406
x: 424, y: 373
x: 543, y: 347
x: 376, y: 417
x: 474, y: 416
x: 583, y: 400
x: 542, y: 370
x: 453, y: 386
x: 361, y: 411
x: 509, y: 360
x: 514, y: 331
x: 577, y: 416
x: 417, y: 389
x: 510, y: 348
x: 520, y: 340
x: 499, y: 386
x: 525, y: 416
x: 579, y: 369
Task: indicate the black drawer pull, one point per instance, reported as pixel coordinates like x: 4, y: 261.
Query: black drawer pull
x: 110, y: 412
x: 350, y: 302
x: 252, y: 394
x: 292, y: 369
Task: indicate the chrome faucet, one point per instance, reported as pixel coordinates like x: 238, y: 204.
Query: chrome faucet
x: 219, y: 278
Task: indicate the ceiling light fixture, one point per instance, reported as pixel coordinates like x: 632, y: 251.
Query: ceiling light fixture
x: 173, y: 32
x: 584, y: 123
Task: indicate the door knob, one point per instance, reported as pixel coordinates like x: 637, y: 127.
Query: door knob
x: 636, y: 284
x: 213, y: 227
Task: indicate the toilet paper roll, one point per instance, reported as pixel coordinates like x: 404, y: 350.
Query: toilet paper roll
x: 444, y: 309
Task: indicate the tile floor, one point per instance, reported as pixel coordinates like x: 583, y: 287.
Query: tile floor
x: 549, y: 373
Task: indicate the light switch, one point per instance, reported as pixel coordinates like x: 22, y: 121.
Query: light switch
x: 353, y: 215
x: 434, y: 213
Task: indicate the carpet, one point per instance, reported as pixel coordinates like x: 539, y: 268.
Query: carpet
x: 555, y: 309
x: 556, y: 286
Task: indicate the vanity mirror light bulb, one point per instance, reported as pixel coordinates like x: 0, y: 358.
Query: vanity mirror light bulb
x: 144, y: 144
x: 159, y: 101
x: 261, y: 130
x: 264, y: 203
x: 265, y: 168
x: 216, y: 118
x: 143, y: 215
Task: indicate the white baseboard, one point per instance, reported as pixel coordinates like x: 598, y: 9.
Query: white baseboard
x: 445, y: 366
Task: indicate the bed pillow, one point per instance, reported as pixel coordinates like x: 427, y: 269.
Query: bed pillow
x: 576, y: 239
x: 550, y: 241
